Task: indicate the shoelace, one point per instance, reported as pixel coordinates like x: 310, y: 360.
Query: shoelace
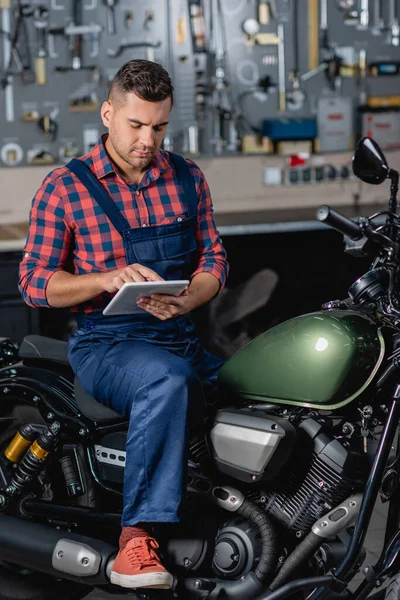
x: 143, y: 554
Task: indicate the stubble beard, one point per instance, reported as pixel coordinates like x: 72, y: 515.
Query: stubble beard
x: 135, y: 162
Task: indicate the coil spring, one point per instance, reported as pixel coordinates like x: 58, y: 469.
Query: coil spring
x: 34, y: 460
x: 27, y: 470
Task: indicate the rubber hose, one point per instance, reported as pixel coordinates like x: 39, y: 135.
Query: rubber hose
x: 307, y: 548
x: 269, y: 540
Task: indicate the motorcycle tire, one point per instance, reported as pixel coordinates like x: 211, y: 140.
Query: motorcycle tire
x: 17, y: 583
x: 393, y: 588
x: 24, y: 585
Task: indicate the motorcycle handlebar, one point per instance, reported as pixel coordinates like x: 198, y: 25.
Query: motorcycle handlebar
x: 337, y: 221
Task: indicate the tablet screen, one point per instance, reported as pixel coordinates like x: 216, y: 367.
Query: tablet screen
x: 124, y: 301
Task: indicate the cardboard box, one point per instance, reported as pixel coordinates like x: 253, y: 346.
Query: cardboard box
x: 335, y: 124
x: 383, y: 127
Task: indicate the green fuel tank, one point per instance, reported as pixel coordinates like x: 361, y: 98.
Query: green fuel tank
x: 320, y: 360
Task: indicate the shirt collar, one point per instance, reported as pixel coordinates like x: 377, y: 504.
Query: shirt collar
x: 102, y: 164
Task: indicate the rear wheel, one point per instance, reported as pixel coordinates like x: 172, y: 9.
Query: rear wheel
x: 17, y: 583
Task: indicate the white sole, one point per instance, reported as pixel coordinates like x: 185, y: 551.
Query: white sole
x: 162, y: 581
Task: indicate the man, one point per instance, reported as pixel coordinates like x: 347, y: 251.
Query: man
x: 129, y: 211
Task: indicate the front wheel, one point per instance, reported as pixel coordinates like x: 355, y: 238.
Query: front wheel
x: 21, y: 584
x: 393, y: 588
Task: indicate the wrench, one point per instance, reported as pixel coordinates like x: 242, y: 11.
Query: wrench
x: 281, y: 69
x: 363, y: 15
x: 111, y: 28
x: 378, y: 25
x: 125, y: 44
x: 40, y: 22
x: 394, y: 28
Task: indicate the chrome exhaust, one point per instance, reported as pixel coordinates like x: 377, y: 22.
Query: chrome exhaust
x: 58, y: 553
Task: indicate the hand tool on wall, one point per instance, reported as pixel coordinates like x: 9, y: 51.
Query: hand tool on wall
x: 281, y: 69
x: 128, y: 19
x: 76, y: 41
x: 93, y: 30
x: 197, y: 25
x: 220, y: 100
x: 345, y: 5
x: 126, y: 44
x: 148, y: 20
x: 363, y: 17
x: 328, y: 56
x: 49, y: 126
x: 393, y: 24
x: 75, y: 32
x: 16, y: 52
x: 295, y: 97
x: 40, y: 22
x: 362, y: 77
x: 323, y: 26
x: 377, y: 17
x: 265, y: 11
x: 180, y: 32
x: 111, y: 28
x: 330, y: 61
x: 313, y: 41
x: 84, y: 98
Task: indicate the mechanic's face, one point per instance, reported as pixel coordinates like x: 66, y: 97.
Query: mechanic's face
x: 136, y: 128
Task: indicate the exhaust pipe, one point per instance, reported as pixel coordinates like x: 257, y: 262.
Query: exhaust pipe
x: 59, y: 553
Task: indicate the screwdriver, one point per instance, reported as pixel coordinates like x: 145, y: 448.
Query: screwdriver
x: 111, y: 29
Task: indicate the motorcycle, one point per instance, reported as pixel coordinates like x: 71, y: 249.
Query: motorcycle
x: 300, y: 440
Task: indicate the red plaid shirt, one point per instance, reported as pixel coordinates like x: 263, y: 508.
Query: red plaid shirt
x: 65, y: 222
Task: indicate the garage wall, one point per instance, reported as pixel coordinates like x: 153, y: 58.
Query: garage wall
x: 237, y: 184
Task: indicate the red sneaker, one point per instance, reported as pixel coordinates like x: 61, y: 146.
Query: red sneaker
x: 138, y: 566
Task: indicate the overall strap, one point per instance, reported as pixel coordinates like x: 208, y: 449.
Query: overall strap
x: 99, y: 194
x: 187, y: 182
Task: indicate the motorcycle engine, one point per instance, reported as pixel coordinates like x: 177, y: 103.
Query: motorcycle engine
x: 324, y: 473
x: 252, y: 446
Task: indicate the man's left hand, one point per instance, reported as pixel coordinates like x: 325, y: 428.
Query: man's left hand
x: 166, y: 307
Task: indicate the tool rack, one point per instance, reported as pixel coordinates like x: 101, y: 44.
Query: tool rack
x: 235, y: 64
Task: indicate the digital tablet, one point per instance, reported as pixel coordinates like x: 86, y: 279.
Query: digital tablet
x: 124, y: 301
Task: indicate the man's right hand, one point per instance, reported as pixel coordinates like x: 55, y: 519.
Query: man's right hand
x: 114, y: 280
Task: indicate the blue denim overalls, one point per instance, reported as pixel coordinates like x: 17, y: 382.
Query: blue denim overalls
x: 144, y: 368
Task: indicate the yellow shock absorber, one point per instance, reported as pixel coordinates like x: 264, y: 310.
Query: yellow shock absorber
x: 17, y: 448
x: 39, y: 452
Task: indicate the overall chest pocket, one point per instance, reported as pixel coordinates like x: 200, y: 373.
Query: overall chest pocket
x: 159, y: 248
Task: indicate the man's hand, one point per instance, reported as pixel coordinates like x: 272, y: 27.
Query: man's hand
x: 202, y: 288
x: 166, y: 307
x: 114, y: 280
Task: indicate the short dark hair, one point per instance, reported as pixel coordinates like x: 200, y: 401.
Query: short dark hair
x: 148, y: 80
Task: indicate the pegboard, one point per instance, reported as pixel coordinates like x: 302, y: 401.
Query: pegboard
x: 249, y: 60
x: 49, y: 105
x: 67, y: 52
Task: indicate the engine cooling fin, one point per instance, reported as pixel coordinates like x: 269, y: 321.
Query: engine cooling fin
x: 298, y: 509
x: 321, y: 477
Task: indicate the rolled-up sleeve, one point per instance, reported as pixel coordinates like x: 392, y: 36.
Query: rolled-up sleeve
x: 47, y: 246
x: 211, y: 253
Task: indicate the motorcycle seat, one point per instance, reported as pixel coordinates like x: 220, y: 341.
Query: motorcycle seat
x: 45, y: 348
x: 38, y: 347
x: 91, y: 408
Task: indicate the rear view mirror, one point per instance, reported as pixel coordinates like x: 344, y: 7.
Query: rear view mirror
x: 369, y: 162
